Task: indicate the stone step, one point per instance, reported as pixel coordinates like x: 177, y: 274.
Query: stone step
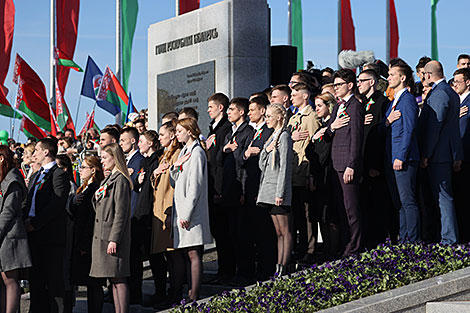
x: 445, y: 307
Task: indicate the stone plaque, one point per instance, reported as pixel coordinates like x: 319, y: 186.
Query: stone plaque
x: 187, y: 87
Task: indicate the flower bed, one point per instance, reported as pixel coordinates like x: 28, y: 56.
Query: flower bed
x: 320, y: 287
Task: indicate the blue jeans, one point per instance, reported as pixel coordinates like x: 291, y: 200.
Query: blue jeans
x: 402, y: 185
x: 440, y: 175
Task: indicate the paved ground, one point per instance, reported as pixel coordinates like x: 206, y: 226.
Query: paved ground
x: 210, y: 270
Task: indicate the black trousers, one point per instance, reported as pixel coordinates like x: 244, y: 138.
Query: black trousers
x: 459, y: 183
x: 47, y: 277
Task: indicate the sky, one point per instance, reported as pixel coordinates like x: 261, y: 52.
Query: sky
x: 96, y: 37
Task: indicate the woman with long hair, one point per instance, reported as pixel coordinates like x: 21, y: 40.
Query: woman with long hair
x: 190, y: 217
x: 91, y: 174
x: 27, y: 166
x: 14, y: 248
x: 161, y: 241
x: 276, y: 181
x: 111, y: 244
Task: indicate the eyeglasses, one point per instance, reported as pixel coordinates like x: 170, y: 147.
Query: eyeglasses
x: 360, y: 81
x: 424, y: 73
x: 337, y: 85
x: 458, y: 81
x: 84, y: 167
x: 292, y: 83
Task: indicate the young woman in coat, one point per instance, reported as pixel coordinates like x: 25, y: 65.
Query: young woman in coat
x: 190, y: 212
x: 91, y: 173
x: 112, y: 230
x: 275, y: 189
x: 162, y: 241
x: 14, y: 249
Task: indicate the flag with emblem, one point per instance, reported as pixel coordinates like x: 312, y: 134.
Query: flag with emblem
x: 62, y: 60
x: 112, y: 92
x: 34, y: 106
x: 91, y: 84
x: 30, y: 129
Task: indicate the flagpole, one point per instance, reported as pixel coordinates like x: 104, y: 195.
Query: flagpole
x: 289, y: 22
x: 387, y: 30
x: 118, y: 50
x: 52, y: 73
x: 339, y: 31
x: 177, y: 7
x: 78, y: 109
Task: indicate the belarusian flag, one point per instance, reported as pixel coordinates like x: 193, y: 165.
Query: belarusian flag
x: 30, y: 129
x: 90, y: 123
x: 5, y: 107
x: 63, y: 60
x: 7, y: 26
x: 29, y: 76
x: 55, y: 128
x: 112, y: 91
x: 64, y: 119
x: 37, y: 108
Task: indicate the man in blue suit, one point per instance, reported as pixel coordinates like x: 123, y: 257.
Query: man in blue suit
x: 461, y: 84
x: 401, y: 149
x: 442, y: 146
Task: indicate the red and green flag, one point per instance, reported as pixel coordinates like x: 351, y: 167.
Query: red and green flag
x: 129, y: 11
x: 90, y: 123
x: 5, y: 107
x: 64, y: 119
x: 62, y: 60
x: 7, y: 26
x: 30, y: 129
x: 112, y: 91
x: 35, y: 107
x: 29, y: 77
x: 55, y: 128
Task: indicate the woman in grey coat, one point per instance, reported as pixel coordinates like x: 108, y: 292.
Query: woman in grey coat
x: 275, y: 189
x: 110, y: 250
x: 190, y: 216
x: 14, y: 249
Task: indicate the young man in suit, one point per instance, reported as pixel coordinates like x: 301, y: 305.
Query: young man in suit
x: 260, y: 233
x: 379, y: 217
x: 302, y: 126
x: 218, y: 129
x: 234, y: 176
x: 281, y: 94
x: 128, y: 141
x: 442, y: 146
x: 462, y: 87
x: 46, y: 225
x: 402, y: 151
x: 346, y: 154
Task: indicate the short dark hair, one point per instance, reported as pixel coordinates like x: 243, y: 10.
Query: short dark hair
x: 170, y: 115
x: 112, y: 132
x: 464, y: 71
x: 49, y: 144
x: 64, y: 162
x: 463, y: 56
x: 189, y: 112
x: 241, y: 104
x: 372, y: 73
x: 261, y: 102
x: 301, y: 86
x: 220, y: 98
x: 348, y: 76
x: 422, y: 62
x: 404, y: 69
x: 284, y: 88
x: 139, y: 120
x: 259, y: 94
x: 69, y: 130
x: 328, y: 70
x: 132, y: 131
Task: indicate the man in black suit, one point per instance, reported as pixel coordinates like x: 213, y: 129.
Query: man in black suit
x: 260, y: 233
x: 128, y: 142
x: 234, y: 176
x: 45, y: 222
x: 346, y: 154
x: 219, y: 128
x: 379, y: 218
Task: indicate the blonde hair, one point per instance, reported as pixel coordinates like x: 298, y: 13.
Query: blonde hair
x: 328, y: 99
x: 114, y: 150
x: 279, y: 110
x: 190, y: 124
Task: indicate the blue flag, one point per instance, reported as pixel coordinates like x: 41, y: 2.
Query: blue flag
x: 91, y: 85
x: 130, y: 109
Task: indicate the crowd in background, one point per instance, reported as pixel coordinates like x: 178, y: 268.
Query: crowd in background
x: 360, y: 157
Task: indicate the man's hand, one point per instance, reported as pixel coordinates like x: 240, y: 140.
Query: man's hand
x: 393, y: 116
x: 319, y: 133
x: 210, y: 141
x: 368, y: 119
x: 340, y: 122
x: 463, y: 111
x: 28, y: 226
x: 230, y: 147
x: 299, y: 135
x: 374, y: 173
x: 397, y: 165
x: 140, y: 178
x: 184, y: 224
x: 348, y: 175
x: 251, y: 151
x: 457, y: 166
x: 424, y: 163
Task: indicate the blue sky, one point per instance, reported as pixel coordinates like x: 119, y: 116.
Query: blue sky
x: 97, y: 28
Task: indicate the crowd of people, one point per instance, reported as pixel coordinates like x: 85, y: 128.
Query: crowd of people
x: 361, y: 157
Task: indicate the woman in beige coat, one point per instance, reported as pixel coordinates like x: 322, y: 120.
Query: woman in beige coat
x: 112, y: 230
x: 161, y: 241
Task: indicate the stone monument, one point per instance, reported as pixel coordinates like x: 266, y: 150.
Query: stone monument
x: 224, y: 47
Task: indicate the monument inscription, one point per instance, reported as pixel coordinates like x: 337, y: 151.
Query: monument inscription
x: 187, y: 87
